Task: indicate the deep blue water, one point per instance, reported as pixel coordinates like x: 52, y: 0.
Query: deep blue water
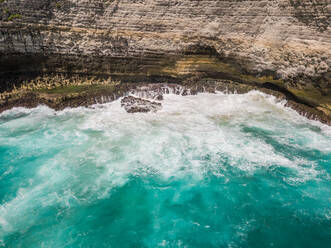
x: 206, y: 171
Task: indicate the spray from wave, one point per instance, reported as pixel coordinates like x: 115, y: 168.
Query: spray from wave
x: 210, y: 170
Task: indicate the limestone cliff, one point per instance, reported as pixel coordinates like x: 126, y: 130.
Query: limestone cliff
x: 285, y: 44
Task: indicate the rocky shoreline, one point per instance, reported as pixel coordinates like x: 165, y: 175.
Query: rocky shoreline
x: 58, y: 92
x: 77, y: 53
x: 133, y: 104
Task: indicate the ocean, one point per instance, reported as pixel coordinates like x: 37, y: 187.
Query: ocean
x: 210, y: 170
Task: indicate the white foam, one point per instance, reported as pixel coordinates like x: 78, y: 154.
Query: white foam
x: 190, y: 136
x: 18, y: 111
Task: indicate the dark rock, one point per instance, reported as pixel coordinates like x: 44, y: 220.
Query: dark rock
x: 135, y: 105
x: 159, y: 97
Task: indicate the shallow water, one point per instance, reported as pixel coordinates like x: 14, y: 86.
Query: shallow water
x: 205, y: 171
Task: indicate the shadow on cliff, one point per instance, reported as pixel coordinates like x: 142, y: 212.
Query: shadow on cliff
x: 194, y: 63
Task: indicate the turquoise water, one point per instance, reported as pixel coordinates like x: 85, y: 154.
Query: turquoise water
x: 206, y: 171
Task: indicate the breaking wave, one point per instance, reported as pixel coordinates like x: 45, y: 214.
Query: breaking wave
x: 210, y: 170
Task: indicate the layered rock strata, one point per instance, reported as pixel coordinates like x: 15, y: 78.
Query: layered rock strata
x: 280, y: 45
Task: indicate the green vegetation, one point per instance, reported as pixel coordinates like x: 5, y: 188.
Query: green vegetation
x: 14, y: 16
x: 58, y: 5
x: 8, y: 12
x: 71, y: 89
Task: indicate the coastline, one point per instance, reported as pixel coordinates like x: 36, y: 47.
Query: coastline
x: 59, y: 92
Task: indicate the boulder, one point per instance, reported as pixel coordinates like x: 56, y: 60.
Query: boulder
x: 138, y: 105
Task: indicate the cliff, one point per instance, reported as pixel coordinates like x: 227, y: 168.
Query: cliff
x: 283, y: 45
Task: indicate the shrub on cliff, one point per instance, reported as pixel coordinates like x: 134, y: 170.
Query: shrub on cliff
x: 14, y: 16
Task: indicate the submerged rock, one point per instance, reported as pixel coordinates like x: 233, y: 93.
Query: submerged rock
x: 135, y: 105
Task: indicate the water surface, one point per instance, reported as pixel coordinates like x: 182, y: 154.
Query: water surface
x: 205, y: 171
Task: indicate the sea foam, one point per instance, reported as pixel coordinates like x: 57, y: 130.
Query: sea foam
x: 64, y: 161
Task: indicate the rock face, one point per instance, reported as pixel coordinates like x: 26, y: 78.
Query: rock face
x: 280, y: 42
x: 138, y: 105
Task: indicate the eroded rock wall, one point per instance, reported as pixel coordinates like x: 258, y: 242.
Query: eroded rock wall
x: 283, y: 41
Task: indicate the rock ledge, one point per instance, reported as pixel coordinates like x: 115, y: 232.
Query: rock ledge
x: 138, y: 105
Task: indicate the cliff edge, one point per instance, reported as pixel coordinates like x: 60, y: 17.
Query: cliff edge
x: 281, y: 45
